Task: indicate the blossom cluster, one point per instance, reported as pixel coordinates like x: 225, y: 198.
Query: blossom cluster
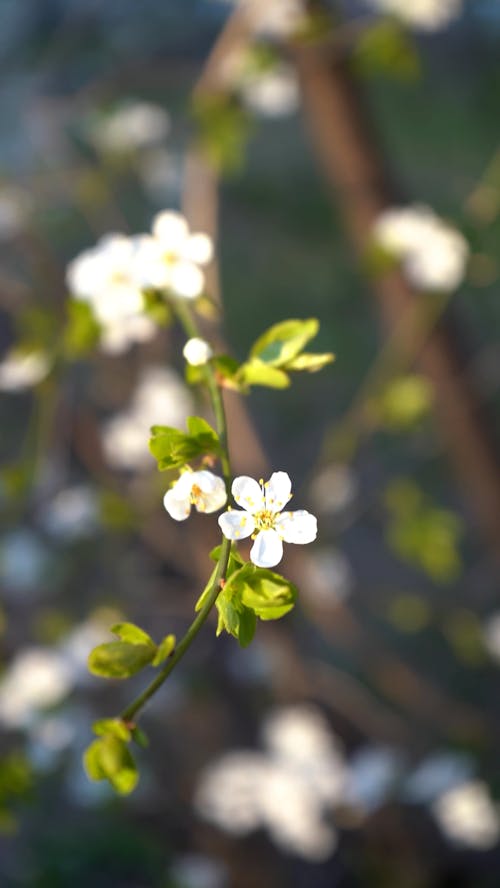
x: 425, y: 15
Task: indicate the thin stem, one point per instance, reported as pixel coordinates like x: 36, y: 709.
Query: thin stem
x: 190, y: 327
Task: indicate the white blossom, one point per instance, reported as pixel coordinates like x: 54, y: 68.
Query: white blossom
x: 328, y: 577
x: 172, y: 257
x: 263, y: 520
x: 71, y: 514
x: 160, y: 397
x: 20, y: 370
x: 273, y: 93
x: 132, y: 126
x: 203, y: 489
x: 433, y: 254
x: 36, y: 679
x: 197, y: 351
x: 467, y: 815
x: 427, y: 15
x: 107, y: 276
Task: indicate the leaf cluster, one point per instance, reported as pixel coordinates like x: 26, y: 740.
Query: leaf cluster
x: 173, y: 449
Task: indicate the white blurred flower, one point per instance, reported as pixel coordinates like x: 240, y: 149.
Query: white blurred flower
x: 203, y: 489
x: 428, y: 15
x: 73, y: 513
x: 328, y: 577
x: 436, y: 775
x: 468, y: 816
x: 433, y: 254
x: 491, y: 635
x: 24, y: 561
x: 171, y: 259
x: 21, y: 370
x: 273, y: 93
x: 15, y: 207
x: 279, y: 19
x: 334, y: 489
x: 132, y: 126
x: 36, y: 679
x: 197, y: 351
x: 161, y: 397
x: 262, y: 516
x: 198, y: 871
x: 373, y: 773
x: 287, y: 789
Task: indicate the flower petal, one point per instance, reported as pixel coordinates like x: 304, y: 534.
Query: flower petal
x: 198, y: 248
x: 278, y: 491
x: 248, y: 494
x: 267, y: 550
x: 171, y: 229
x: 213, y: 491
x: 297, y: 527
x: 177, y: 508
x: 186, y: 280
x: 236, y: 525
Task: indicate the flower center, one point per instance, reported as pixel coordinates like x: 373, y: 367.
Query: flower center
x: 170, y: 258
x: 264, y: 520
x: 195, y: 493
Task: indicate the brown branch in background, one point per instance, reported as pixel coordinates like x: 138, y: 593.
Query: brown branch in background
x: 348, y: 153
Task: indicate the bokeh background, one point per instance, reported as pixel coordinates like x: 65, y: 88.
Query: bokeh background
x: 355, y: 742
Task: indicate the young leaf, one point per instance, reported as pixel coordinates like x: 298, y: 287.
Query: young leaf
x: 173, y: 449
x: 82, y: 331
x: 284, y: 341
x: 203, y: 432
x: 248, y: 624
x: 112, y: 727
x: 109, y: 759
x: 130, y: 632
x: 310, y: 361
x: 120, y: 659
x: 165, y: 648
x: 256, y: 372
x: 268, y: 594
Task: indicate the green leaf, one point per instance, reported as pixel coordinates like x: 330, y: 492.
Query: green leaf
x: 235, y: 562
x: 132, y: 633
x: 173, y: 449
x: 386, y: 48
x: 82, y: 332
x: 284, y: 341
x: 165, y: 648
x: 111, y: 727
x: 139, y: 737
x: 120, y: 659
x: 203, y: 432
x: 109, y: 759
x: 256, y: 372
x: 248, y: 624
x: 234, y: 557
x: 311, y: 362
x: 157, y: 308
x: 268, y: 594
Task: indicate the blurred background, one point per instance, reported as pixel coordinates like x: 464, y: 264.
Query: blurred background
x: 345, y: 158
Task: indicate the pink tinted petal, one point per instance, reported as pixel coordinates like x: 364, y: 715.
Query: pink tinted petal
x: 297, y: 527
x: 278, y: 491
x: 248, y: 494
x: 267, y: 550
x: 236, y: 525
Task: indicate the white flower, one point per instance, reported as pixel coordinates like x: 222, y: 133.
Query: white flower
x: 273, y: 93
x: 468, y: 816
x: 197, y: 351
x: 107, y: 276
x: 131, y: 127
x: 433, y: 254
x: 170, y: 259
x: 20, y: 370
x: 36, y: 679
x: 73, y: 513
x: 429, y: 15
x: 262, y: 504
x: 203, y: 489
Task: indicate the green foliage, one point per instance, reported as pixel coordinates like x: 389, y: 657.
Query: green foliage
x: 256, y: 372
x: 157, y: 308
x: 422, y: 534
x: 280, y: 350
x: 386, y: 48
x: 404, y: 402
x: 224, y: 128
x: 132, y: 633
x: 112, y: 727
x: 121, y: 659
x: 173, y: 449
x: 81, y: 333
x: 16, y: 784
x: 165, y: 649
x: 109, y: 758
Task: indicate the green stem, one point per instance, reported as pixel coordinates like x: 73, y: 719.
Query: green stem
x: 189, y: 325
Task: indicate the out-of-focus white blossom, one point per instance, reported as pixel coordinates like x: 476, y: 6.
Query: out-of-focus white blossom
x: 263, y: 516
x: 373, y: 773
x: 427, y: 15
x: 108, y: 277
x: 24, y: 561
x: 172, y: 257
x: 288, y: 789
x: 37, y: 679
x: 491, y: 635
x: 433, y: 254
x: 20, y: 370
x: 273, y: 93
x: 436, y: 775
x: 197, y: 351
x: 468, y: 816
x: 204, y: 490
x: 15, y: 208
x: 132, y: 126
x: 334, y: 489
x: 73, y: 513
x: 328, y: 578
x: 161, y: 397
x: 198, y: 871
